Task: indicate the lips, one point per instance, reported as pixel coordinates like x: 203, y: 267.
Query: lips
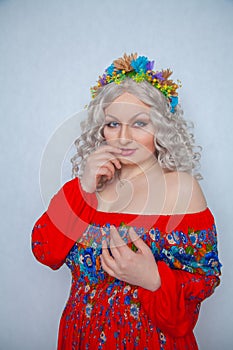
x: 127, y: 151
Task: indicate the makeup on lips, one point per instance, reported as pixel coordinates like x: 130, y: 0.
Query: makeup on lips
x: 125, y: 152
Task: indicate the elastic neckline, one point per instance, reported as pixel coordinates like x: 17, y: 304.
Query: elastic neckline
x: 169, y: 222
x: 99, y: 212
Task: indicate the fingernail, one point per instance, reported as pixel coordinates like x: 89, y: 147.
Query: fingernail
x: 104, y: 243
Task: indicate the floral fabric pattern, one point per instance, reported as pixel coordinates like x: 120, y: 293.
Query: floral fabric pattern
x: 101, y: 307
x: 195, y: 252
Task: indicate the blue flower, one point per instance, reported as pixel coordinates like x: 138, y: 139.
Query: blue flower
x: 109, y: 289
x: 134, y: 311
x: 140, y: 64
x: 202, y: 235
x: 85, y: 299
x: 110, y: 301
x: 167, y: 256
x: 88, y: 259
x: 127, y: 300
x: 140, y: 231
x: 157, y: 236
x: 155, y: 250
x: 193, y: 238
x: 181, y: 251
x: 176, y: 235
x: 170, y: 238
x: 175, y: 251
x: 162, y: 242
x: 110, y: 70
x: 138, y: 325
x: 152, y: 234
x: 211, y: 260
x: 183, y: 237
x: 89, y: 308
x: 173, y: 103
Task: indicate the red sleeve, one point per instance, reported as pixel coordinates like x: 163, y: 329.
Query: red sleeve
x: 56, y: 231
x: 174, y: 307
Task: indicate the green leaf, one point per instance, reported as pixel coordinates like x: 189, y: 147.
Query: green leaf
x: 189, y: 250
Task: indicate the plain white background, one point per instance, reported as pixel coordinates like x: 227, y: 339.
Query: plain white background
x: 51, y: 52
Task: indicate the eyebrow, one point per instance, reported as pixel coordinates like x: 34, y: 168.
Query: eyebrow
x: 132, y: 118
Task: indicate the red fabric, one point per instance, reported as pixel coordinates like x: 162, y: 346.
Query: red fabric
x: 166, y: 317
x: 175, y: 305
x: 62, y: 224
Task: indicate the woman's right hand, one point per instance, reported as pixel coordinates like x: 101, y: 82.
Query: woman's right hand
x: 102, y: 162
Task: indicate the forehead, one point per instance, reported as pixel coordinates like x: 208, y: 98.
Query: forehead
x: 126, y: 103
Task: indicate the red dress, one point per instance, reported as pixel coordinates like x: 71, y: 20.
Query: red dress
x: 105, y: 313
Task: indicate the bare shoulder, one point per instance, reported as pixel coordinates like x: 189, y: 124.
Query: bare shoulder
x: 185, y: 192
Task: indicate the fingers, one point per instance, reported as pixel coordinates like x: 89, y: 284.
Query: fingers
x: 117, y: 247
x: 108, y: 148
x: 110, y: 151
x: 115, y: 239
x: 137, y: 241
x: 102, y: 162
x: 116, y: 162
x: 107, y: 261
x: 106, y: 157
x: 103, y: 158
x: 105, y: 251
x: 106, y: 170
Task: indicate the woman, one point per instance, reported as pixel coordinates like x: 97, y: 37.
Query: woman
x: 133, y: 226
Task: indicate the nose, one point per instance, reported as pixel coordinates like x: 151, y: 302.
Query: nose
x: 125, y: 134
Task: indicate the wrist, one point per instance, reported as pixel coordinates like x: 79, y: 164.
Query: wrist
x: 85, y: 187
x: 152, y: 284
x: 155, y: 285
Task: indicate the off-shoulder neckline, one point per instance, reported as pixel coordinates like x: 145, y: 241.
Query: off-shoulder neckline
x: 100, y: 213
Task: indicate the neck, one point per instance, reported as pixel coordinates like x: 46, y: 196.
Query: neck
x: 130, y: 171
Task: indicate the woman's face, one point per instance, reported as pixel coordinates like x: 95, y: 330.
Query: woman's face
x: 128, y: 126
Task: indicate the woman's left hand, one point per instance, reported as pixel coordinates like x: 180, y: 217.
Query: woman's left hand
x: 136, y: 268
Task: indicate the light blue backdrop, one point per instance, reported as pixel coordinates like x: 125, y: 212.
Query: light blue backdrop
x: 51, y: 52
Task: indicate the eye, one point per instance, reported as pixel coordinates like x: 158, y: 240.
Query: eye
x: 140, y: 124
x: 112, y: 124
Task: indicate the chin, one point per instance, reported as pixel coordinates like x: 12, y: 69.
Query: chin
x: 127, y: 161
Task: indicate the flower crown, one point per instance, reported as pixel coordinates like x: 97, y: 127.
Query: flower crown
x: 139, y: 68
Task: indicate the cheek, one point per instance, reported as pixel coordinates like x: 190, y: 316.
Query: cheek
x: 105, y: 133
x: 150, y: 145
x: 109, y: 134
x: 147, y: 141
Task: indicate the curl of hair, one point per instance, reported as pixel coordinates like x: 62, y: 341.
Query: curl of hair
x: 174, y: 143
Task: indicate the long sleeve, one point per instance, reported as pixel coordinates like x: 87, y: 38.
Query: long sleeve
x: 174, y: 307
x: 189, y: 269
x: 56, y: 231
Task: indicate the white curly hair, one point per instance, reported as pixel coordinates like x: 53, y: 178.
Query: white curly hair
x: 174, y: 143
